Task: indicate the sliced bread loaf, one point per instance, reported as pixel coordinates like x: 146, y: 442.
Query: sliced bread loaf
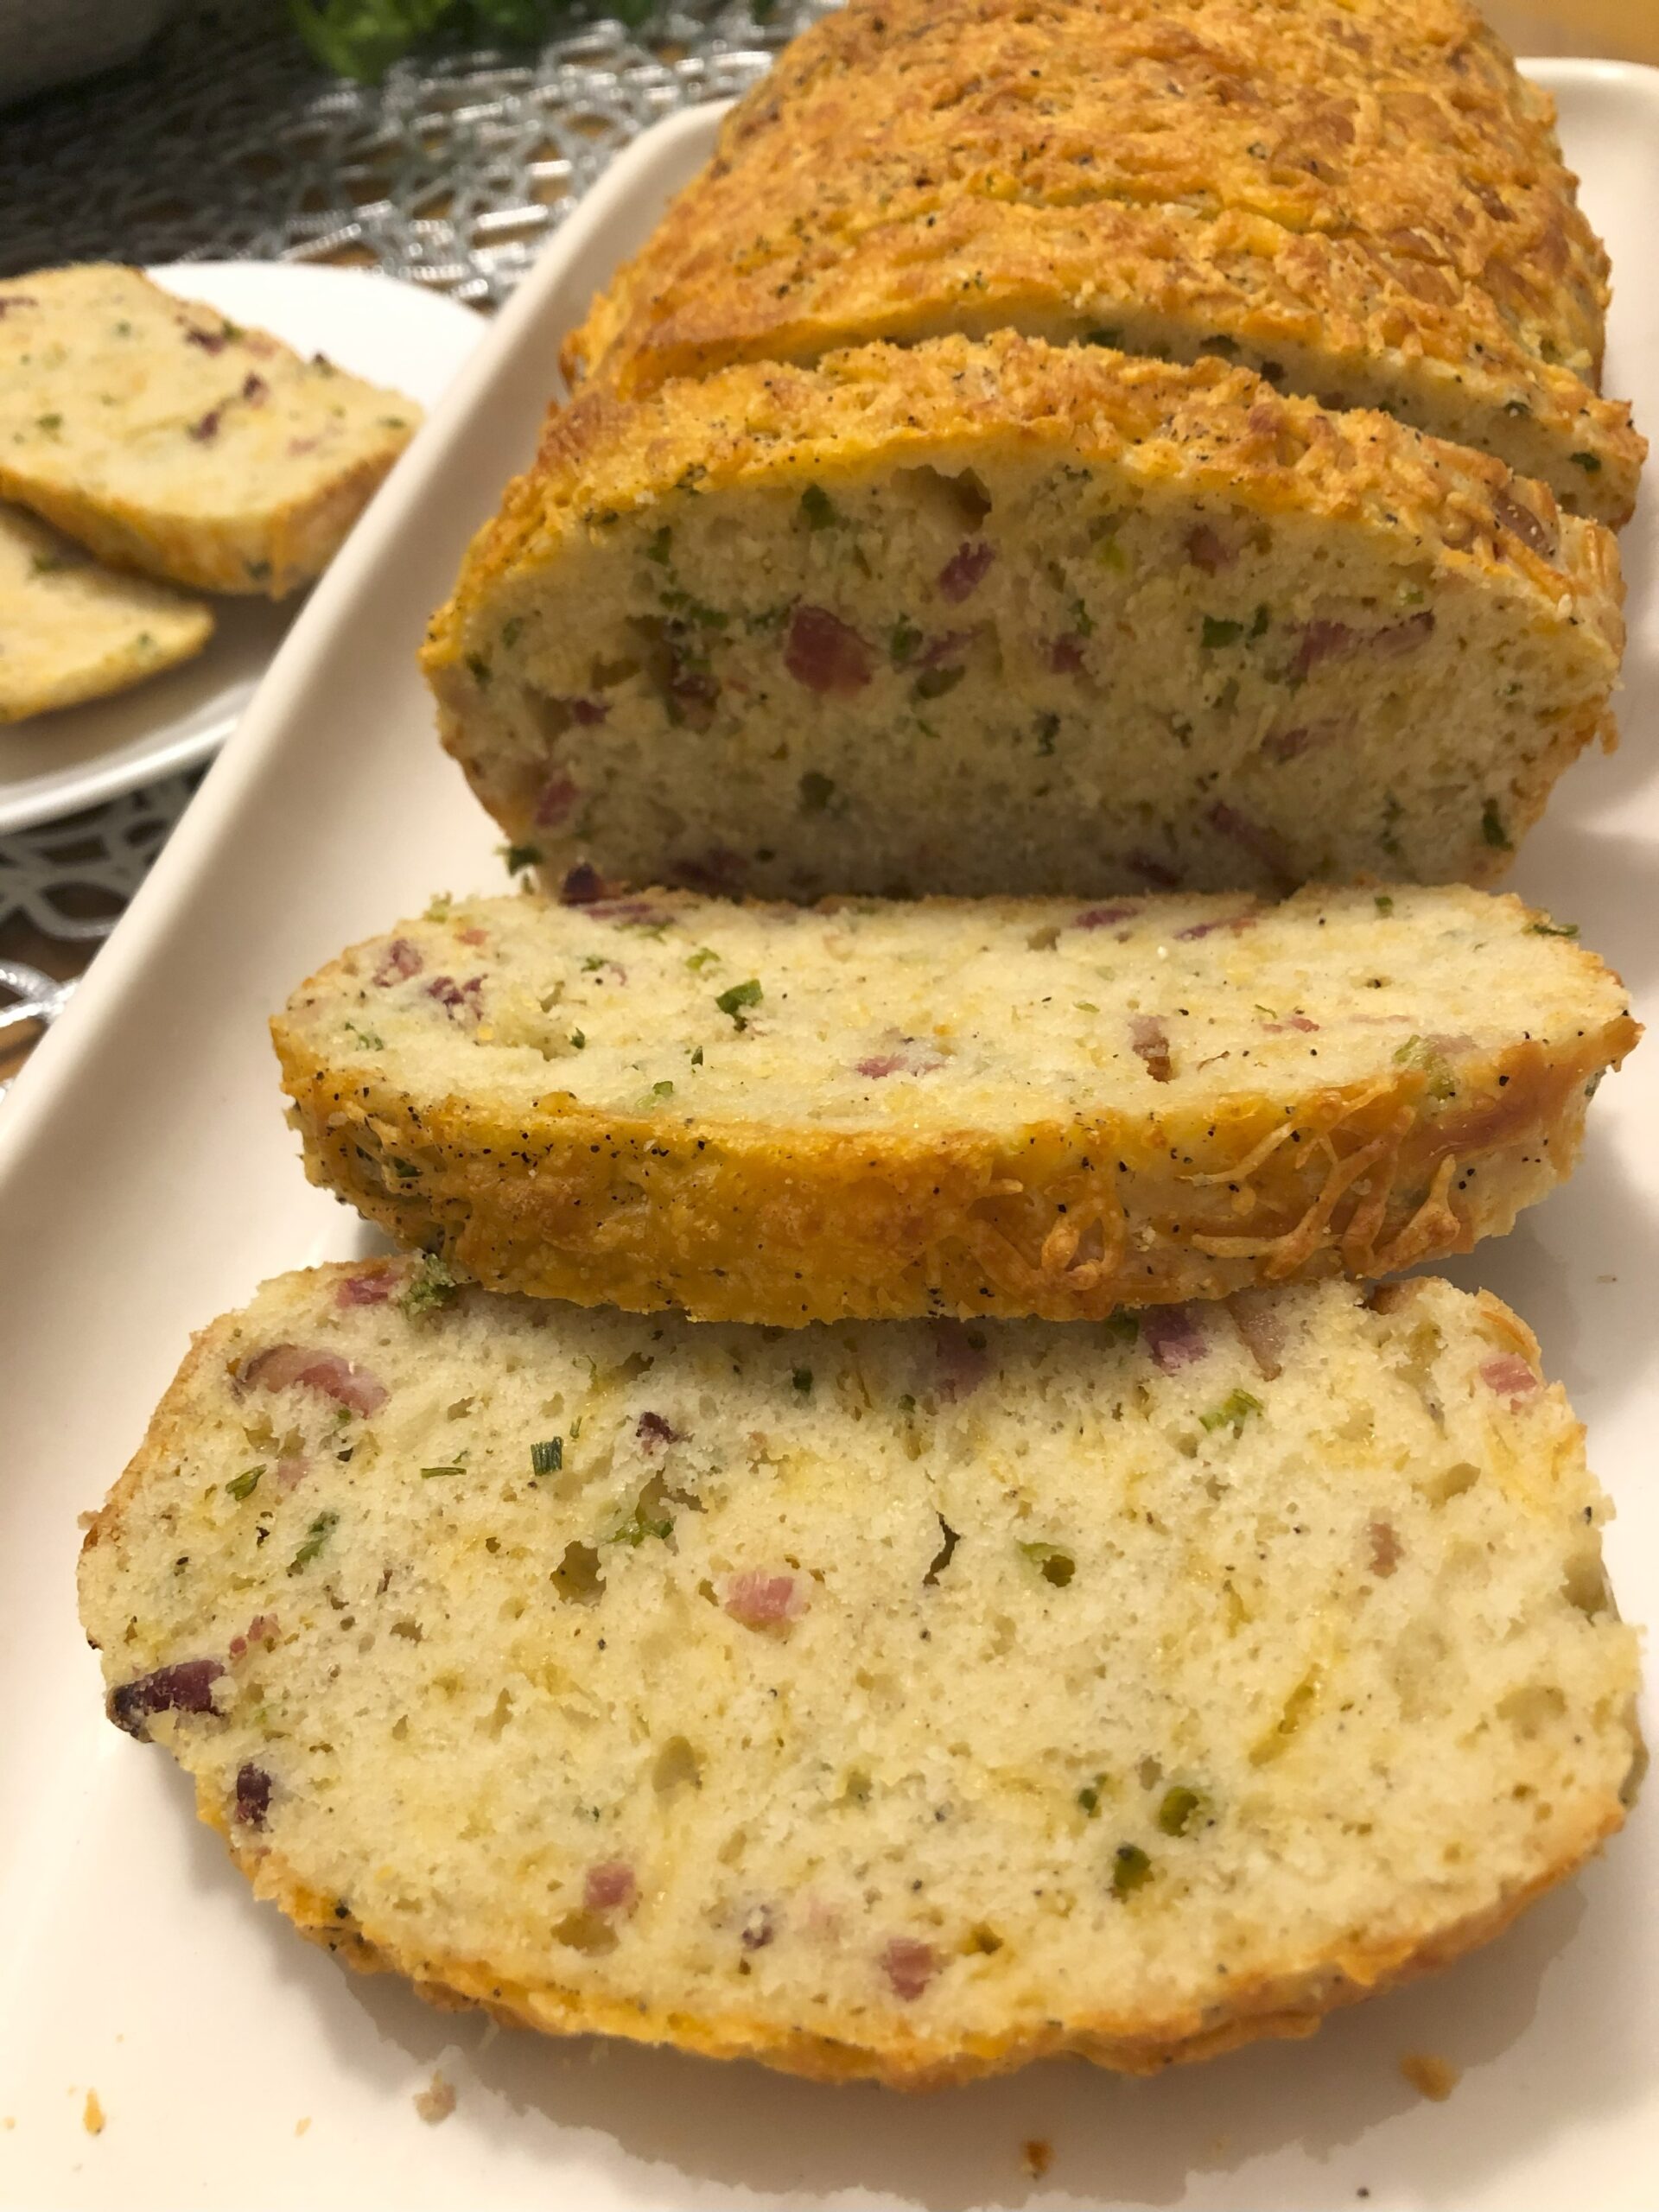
x: 906, y: 1701
x: 1366, y: 204
x: 71, y: 629
x: 991, y: 617
x: 764, y: 1115
x: 170, y: 441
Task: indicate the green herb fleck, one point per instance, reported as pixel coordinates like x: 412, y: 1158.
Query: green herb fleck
x: 704, y: 956
x: 1492, y: 827
x: 638, y: 1525
x: 658, y: 548
x: 802, y: 1378
x: 578, y: 1041
x: 1259, y: 627
x: 511, y: 630
x: 244, y: 1484
x: 816, y: 791
x: 1589, y: 462
x: 1552, y: 929
x: 1088, y: 1795
x: 48, y: 564
x: 907, y: 1403
x: 1131, y: 1870
x: 49, y: 421
x: 696, y: 1056
x: 480, y: 669
x: 1105, y: 334
x: 547, y: 1456
x: 902, y: 641
x: 519, y: 857
x: 1232, y: 1413
x: 1123, y: 1328
x: 740, y: 996
x: 934, y: 683
x: 1417, y: 1052
x: 1055, y: 1565
x: 1086, y: 1005
x: 817, y: 508
x: 1383, y: 903
x: 438, y: 905
x: 370, y: 1040
x: 1048, y: 728
x: 1179, y: 1809
x: 406, y: 1168
x: 315, y: 1537
x: 428, y: 1474
x: 663, y: 1090
x: 1217, y: 633
x: 432, y: 1285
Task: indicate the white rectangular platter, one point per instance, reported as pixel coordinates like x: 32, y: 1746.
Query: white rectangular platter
x: 146, y: 1182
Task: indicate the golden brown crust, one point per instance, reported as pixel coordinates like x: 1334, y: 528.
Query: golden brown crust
x: 1062, y: 1220
x: 1371, y: 198
x: 1289, y: 2005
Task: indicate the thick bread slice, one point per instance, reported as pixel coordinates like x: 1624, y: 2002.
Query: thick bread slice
x: 71, y: 629
x: 905, y: 1700
x: 1015, y: 1107
x: 1369, y: 205
x: 991, y: 617
x: 170, y: 441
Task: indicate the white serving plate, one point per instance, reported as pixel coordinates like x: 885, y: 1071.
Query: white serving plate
x: 147, y: 1181
x: 392, y: 334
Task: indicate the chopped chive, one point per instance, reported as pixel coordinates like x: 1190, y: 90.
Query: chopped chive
x: 519, y: 857
x: 704, y: 956
x: 1552, y: 929
x: 578, y: 1040
x: 1131, y: 1869
x: 428, y: 1474
x: 802, y: 1378
x: 1383, y: 903
x: 1179, y: 1809
x: 1492, y: 827
x: 1589, y: 462
x: 315, y: 1537
x: 817, y: 509
x: 1232, y: 1413
x: 740, y: 996
x: 547, y: 1456
x: 244, y: 1484
x: 1217, y: 633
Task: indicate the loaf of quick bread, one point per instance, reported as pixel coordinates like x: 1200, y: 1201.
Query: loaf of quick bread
x: 170, y: 439
x: 71, y: 629
x: 907, y: 1700
x: 762, y: 1114
x: 1365, y: 202
x: 1000, y: 617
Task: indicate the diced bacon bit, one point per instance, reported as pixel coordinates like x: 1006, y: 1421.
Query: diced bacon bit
x: 878, y: 1065
x: 558, y: 797
x: 283, y: 1366
x: 582, y: 885
x: 473, y: 937
x: 823, y: 653
x: 1149, y: 1041
x: 587, y: 714
x: 1205, y: 550
x: 640, y: 912
x: 608, y: 1886
x: 1386, y: 1551
x: 1291, y: 744
x: 1264, y: 845
x: 400, y: 959
x: 651, y: 1430
x: 964, y: 1359
x: 186, y: 1687
x: 297, y: 446
x: 10, y: 299
x: 211, y: 341
x: 910, y: 1057
x: 949, y: 648
x: 1172, y: 1335
x: 1235, y: 922
x: 207, y: 430
x: 263, y: 1628
x: 761, y: 1600
x: 252, y: 1795
x: 255, y: 390
x: 692, y: 694
x: 1521, y: 522
x: 291, y: 1473
x: 721, y: 874
x: 1103, y: 917
x: 1404, y: 637
x: 909, y: 1967
x: 373, y: 1287
x: 1157, y: 872
x: 450, y: 994
x: 1510, y: 1375
x: 1065, y: 655
x: 1321, y: 641
x: 758, y: 1929
x: 962, y: 574
x: 1291, y: 1022
x: 1261, y: 1325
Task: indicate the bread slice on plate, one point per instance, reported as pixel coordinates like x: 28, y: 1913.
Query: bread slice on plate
x: 171, y: 441
x: 71, y: 629
x: 760, y: 1114
x: 906, y: 1701
x: 989, y: 617
x: 1368, y: 205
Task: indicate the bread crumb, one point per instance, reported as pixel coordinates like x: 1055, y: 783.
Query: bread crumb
x: 436, y: 2101
x: 92, y: 2116
x: 1039, y: 2157
x: 83, y: 1521
x: 300, y: 2126
x: 1429, y: 2075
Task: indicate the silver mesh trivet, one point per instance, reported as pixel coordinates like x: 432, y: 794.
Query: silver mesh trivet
x: 229, y: 142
